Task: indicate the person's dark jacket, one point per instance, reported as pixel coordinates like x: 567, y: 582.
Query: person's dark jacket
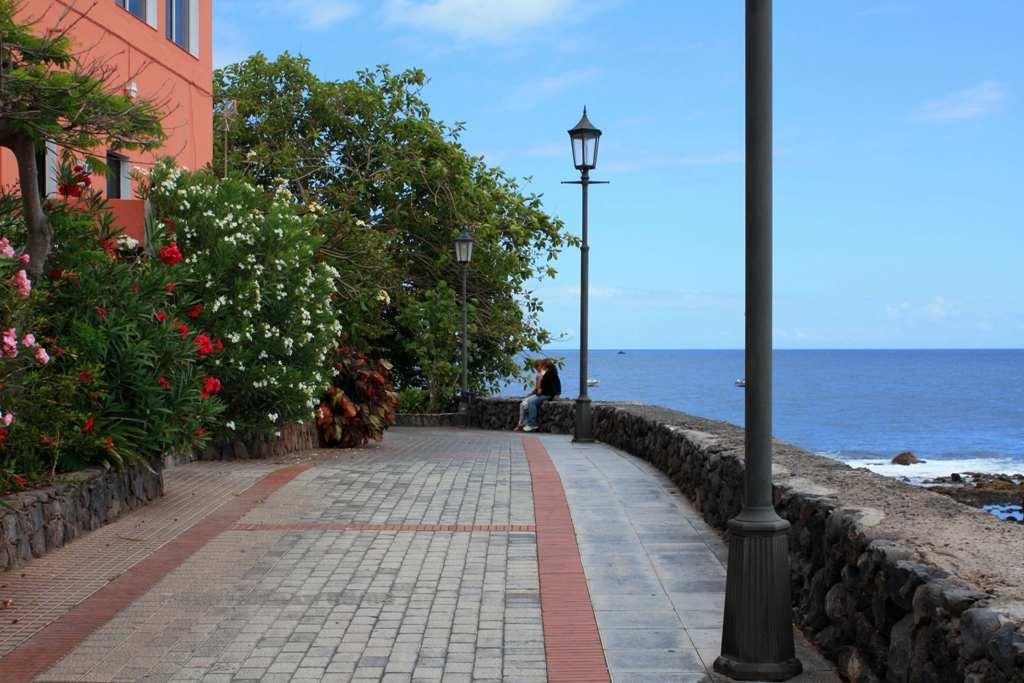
x: 550, y: 385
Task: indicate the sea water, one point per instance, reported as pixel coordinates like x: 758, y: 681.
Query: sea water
x: 960, y: 411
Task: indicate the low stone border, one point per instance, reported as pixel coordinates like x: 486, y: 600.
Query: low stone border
x: 861, y: 590
x: 43, y: 520
x: 294, y: 437
x: 430, y: 420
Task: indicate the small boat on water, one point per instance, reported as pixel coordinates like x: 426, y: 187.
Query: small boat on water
x: 621, y: 353
x: 592, y: 382
x: 741, y: 383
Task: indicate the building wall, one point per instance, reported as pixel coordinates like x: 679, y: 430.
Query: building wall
x: 164, y: 72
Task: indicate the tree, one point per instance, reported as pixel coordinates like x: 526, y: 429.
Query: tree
x: 396, y: 187
x: 48, y: 93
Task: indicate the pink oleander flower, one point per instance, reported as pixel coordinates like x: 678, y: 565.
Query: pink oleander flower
x: 28, y: 340
x: 42, y: 356
x: 5, y: 247
x: 10, y: 343
x: 22, y: 282
x: 8, y: 419
x: 24, y: 258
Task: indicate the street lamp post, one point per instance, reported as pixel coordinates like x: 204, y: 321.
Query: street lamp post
x: 464, y: 254
x: 584, y: 138
x: 757, y: 633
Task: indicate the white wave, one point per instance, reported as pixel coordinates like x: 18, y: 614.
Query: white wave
x: 939, y: 468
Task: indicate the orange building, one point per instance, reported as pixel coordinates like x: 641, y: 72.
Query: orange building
x: 162, y: 50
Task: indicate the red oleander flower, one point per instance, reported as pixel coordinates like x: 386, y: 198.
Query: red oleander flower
x: 160, y: 316
x: 101, y: 312
x: 85, y: 377
x: 89, y: 424
x: 218, y: 344
x: 195, y: 311
x: 136, y: 289
x: 45, y: 440
x: 204, y: 347
x: 170, y: 254
x: 109, y: 246
x: 169, y: 287
x: 200, y: 432
x: 183, y: 329
x: 110, y: 444
x: 211, y: 386
x: 19, y: 480
x: 164, y: 382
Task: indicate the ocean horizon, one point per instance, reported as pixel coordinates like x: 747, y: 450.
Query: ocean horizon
x: 961, y: 410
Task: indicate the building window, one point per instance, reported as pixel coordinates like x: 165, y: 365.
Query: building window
x: 136, y: 7
x: 119, y: 177
x: 178, y: 22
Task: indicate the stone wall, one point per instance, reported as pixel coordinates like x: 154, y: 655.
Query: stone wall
x: 861, y: 588
x: 430, y: 420
x: 43, y: 520
x: 294, y: 437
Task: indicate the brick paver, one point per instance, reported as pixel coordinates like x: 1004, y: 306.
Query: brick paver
x: 440, y: 555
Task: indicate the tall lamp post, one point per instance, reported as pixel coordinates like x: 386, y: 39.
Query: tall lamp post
x: 464, y: 254
x: 757, y: 633
x: 584, y: 138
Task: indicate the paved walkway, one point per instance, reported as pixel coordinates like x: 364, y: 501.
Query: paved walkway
x: 440, y: 555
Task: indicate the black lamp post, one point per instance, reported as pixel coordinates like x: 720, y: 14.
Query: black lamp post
x: 757, y: 634
x: 584, y: 138
x: 464, y: 254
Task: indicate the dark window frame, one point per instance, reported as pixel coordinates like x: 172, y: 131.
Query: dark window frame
x: 176, y: 24
x: 114, y: 172
x: 141, y: 13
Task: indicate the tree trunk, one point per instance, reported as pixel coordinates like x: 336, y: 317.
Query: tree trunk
x: 40, y: 236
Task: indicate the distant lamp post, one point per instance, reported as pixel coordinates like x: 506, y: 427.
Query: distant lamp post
x: 464, y: 254
x: 757, y: 632
x: 584, y: 138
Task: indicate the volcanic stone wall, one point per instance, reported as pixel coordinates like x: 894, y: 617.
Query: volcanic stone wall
x: 866, y: 601
x: 294, y: 437
x: 40, y: 521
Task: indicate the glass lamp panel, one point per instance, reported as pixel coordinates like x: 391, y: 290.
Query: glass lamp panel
x: 593, y: 152
x: 577, y: 152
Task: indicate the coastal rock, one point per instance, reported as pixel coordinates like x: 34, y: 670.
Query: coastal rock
x: 907, y: 458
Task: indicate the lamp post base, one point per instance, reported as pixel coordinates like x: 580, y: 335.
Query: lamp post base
x: 584, y: 422
x: 757, y: 634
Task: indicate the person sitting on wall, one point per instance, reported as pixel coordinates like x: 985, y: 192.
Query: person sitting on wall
x: 548, y: 386
x: 524, y: 405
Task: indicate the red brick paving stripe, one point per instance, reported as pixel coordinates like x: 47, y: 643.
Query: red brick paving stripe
x: 316, y: 526
x: 572, y: 643
x: 50, y: 644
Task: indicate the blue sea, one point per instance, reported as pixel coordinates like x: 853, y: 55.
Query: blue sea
x: 960, y: 411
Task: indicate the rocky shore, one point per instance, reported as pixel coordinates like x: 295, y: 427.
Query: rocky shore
x: 999, y: 494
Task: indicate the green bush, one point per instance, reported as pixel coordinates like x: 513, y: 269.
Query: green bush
x: 359, y: 404
x: 250, y: 281
x: 413, y: 400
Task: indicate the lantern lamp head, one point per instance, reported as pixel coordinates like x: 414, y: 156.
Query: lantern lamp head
x: 584, y: 138
x: 464, y: 247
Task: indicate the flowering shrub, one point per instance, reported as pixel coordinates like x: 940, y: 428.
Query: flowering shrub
x: 359, y: 404
x: 250, y: 284
x: 110, y: 381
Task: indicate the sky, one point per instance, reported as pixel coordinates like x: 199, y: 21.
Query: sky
x: 898, y: 144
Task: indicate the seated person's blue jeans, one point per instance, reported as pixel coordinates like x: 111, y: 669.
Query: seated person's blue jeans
x: 532, y: 403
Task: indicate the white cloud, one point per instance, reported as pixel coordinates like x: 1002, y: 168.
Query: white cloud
x: 935, y: 310
x: 530, y: 94
x: 309, y: 14
x: 651, y: 162
x: 491, y: 21
x: 968, y: 103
